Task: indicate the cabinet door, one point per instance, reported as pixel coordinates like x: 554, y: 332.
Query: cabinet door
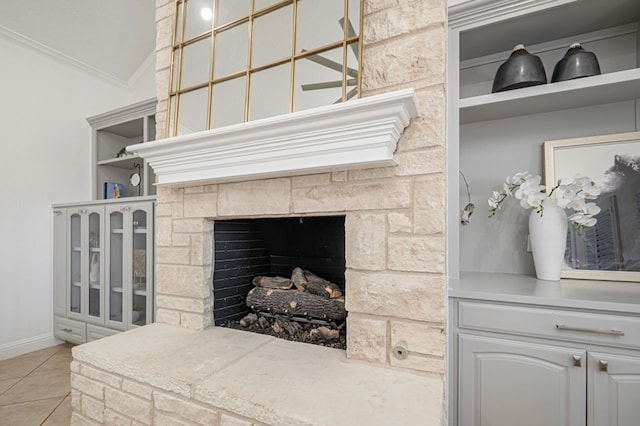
x: 141, y: 259
x: 85, y: 258
x: 506, y: 383
x: 614, y: 391
x: 116, y: 273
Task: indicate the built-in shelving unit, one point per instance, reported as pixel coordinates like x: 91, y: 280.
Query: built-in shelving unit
x: 112, y: 132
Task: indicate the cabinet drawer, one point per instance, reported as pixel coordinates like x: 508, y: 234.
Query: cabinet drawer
x: 69, y: 330
x: 614, y: 330
x: 95, y: 332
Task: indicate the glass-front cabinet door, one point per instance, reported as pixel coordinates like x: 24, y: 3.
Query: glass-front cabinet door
x: 141, y: 270
x: 116, y: 271
x: 129, y: 276
x: 85, y: 257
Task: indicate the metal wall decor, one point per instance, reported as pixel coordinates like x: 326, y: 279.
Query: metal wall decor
x: 521, y: 69
x: 576, y: 63
x: 239, y: 60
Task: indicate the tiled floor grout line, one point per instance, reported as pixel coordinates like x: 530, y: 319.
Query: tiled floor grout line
x: 55, y: 408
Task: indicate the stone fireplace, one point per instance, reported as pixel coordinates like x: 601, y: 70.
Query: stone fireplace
x: 385, y: 176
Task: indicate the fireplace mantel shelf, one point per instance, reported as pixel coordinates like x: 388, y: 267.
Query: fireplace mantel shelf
x: 357, y: 134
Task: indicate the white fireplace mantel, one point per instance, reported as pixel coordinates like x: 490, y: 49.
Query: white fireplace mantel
x: 361, y: 133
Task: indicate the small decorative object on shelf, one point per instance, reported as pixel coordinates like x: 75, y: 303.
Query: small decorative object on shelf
x: 522, y: 69
x: 576, y: 63
x: 113, y: 190
x: 548, y: 220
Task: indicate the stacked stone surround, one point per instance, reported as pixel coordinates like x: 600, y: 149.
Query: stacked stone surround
x: 395, y: 220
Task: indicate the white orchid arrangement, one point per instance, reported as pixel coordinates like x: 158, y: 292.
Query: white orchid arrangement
x: 527, y: 188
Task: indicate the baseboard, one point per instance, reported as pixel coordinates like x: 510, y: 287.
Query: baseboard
x: 11, y: 349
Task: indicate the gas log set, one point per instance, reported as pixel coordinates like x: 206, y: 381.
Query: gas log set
x: 303, y: 307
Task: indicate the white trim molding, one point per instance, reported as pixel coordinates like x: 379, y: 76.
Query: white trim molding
x: 361, y: 133
x: 20, y: 347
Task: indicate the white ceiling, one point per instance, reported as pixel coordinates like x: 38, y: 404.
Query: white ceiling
x: 114, y: 37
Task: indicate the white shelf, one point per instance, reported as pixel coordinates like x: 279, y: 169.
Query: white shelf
x: 116, y: 289
x: 597, y: 90
x: 94, y: 286
x: 140, y: 230
x: 140, y: 292
x: 125, y: 162
x: 76, y: 284
x: 117, y: 231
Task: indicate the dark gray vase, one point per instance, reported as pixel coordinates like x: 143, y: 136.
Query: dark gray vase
x: 522, y: 69
x: 576, y: 63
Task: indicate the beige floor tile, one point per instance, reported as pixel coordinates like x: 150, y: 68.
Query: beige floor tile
x: 20, y: 366
x: 6, y: 384
x: 43, y: 385
x: 62, y: 414
x: 27, y: 413
x: 60, y: 361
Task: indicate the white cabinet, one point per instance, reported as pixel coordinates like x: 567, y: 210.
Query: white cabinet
x: 103, y: 267
x: 614, y: 395
x: 526, y: 352
x: 506, y: 382
x: 111, y: 132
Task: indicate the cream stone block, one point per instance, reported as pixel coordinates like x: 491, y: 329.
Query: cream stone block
x: 399, y: 222
x: 394, y: 294
x: 163, y: 231
x: 388, y: 194
x: 137, y: 408
x: 177, y: 210
x: 376, y: 173
x: 169, y: 194
x: 261, y: 197
x: 181, y: 240
x: 75, y: 366
x: 76, y: 400
x: 163, y: 210
x: 164, y: 11
x: 78, y: 419
x: 87, y: 386
x: 421, y: 162
x: 137, y: 389
x: 311, y: 180
x: 167, y: 316
x: 419, y: 337
x: 228, y: 420
x: 406, y: 17
x: 200, y: 204
x: 185, y: 409
x: 162, y: 73
x: 180, y: 303
x: 114, y: 418
x: 367, y: 338
x: 430, y: 203
x: 162, y: 419
x: 195, y: 321
x: 429, y: 222
x: 202, y: 249
x: 371, y: 6
x: 339, y: 176
x: 101, y: 376
x: 365, y: 241
x: 181, y: 280
x: 173, y: 255
x: 164, y: 32
x: 161, y: 117
x: 416, y: 253
x: 194, y: 225
x: 194, y: 189
x: 429, y: 128
x: 417, y: 57
x: 93, y: 408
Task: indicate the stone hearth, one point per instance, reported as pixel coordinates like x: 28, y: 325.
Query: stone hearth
x: 184, y: 370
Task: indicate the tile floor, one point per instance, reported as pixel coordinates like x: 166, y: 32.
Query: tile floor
x: 34, y: 388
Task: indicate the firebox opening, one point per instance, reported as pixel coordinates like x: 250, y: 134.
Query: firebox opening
x: 246, y: 248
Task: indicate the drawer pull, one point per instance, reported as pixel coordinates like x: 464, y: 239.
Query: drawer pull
x: 67, y: 330
x: 604, y: 365
x: 611, y: 331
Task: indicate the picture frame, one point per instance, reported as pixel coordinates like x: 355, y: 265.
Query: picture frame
x: 610, y: 250
x: 113, y: 190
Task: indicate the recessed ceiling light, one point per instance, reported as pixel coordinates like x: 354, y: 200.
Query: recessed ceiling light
x: 206, y: 13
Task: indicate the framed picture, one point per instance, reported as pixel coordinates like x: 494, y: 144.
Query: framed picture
x: 609, y: 250
x: 113, y: 190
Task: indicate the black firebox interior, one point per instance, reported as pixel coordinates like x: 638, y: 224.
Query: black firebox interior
x: 274, y: 247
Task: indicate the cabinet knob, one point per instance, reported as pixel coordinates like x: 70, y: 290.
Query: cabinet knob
x: 577, y: 361
x: 603, y: 365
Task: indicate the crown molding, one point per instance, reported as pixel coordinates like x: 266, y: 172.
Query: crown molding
x: 360, y: 133
x: 59, y: 56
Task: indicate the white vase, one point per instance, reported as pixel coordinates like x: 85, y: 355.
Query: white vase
x: 548, y: 238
